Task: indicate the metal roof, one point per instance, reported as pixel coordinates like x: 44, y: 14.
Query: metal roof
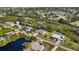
x: 58, y: 36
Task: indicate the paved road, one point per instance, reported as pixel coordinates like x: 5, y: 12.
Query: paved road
x: 70, y: 25
x: 56, y: 46
x: 66, y: 48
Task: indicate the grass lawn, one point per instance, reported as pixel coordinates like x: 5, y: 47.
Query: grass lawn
x: 60, y: 49
x: 47, y: 46
x: 76, y: 23
x: 8, y: 40
x: 3, y: 31
x: 67, y: 42
x: 46, y: 37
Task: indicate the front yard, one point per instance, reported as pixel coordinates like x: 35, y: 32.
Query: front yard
x: 76, y: 23
x: 67, y: 42
x: 47, y: 46
x: 46, y: 37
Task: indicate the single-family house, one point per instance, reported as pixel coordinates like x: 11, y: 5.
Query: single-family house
x: 58, y: 36
x: 1, y: 38
x: 33, y: 34
x: 37, y: 46
x: 41, y: 32
x: 12, y: 33
x: 10, y: 23
x: 27, y: 28
x: 16, y: 22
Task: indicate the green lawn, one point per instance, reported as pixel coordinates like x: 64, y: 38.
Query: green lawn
x: 76, y: 22
x: 67, y: 42
x: 47, y: 46
x: 46, y: 37
x: 3, y: 31
x: 60, y: 49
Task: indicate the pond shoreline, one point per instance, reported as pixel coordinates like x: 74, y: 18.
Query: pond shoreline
x: 14, y: 46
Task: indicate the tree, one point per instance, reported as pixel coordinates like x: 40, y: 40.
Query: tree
x: 61, y: 20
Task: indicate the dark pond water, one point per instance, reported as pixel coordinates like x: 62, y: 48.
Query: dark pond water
x: 14, y: 46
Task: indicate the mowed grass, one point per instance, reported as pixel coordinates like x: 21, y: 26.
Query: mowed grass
x: 3, y: 31
x: 76, y: 22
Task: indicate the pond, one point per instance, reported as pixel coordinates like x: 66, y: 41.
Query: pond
x: 14, y: 46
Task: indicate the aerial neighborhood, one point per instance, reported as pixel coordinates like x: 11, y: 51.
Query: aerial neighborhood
x: 39, y: 29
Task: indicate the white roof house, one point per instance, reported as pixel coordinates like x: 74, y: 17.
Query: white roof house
x: 61, y: 17
x: 27, y: 28
x: 10, y: 23
x: 12, y: 33
x: 37, y: 46
x: 17, y: 22
x: 2, y: 38
x: 58, y: 36
x: 40, y: 31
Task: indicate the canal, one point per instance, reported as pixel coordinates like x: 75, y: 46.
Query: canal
x: 14, y: 46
